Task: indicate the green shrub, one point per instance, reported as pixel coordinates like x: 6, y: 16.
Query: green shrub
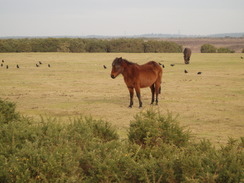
x: 151, y: 128
x: 7, y: 112
x: 208, y: 48
x: 225, y: 50
x: 88, y: 150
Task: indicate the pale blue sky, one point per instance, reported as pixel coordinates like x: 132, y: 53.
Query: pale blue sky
x: 119, y: 17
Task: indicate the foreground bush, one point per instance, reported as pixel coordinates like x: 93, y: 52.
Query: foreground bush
x: 151, y: 128
x: 88, y: 150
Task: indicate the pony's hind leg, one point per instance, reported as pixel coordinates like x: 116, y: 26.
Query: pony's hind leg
x: 158, y: 90
x: 138, y: 96
x: 153, y: 92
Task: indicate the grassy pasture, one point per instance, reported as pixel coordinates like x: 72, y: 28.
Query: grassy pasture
x: 211, y: 105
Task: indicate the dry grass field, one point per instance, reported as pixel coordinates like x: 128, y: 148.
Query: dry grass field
x: 211, y: 105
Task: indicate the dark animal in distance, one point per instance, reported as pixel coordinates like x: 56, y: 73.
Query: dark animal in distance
x: 104, y: 66
x: 40, y: 62
x: 17, y: 66
x: 49, y: 65
x: 187, y: 55
x: 172, y: 65
x: 37, y: 65
x: 2, y: 61
x: 6, y: 66
x: 139, y: 76
x: 186, y: 71
x: 199, y: 73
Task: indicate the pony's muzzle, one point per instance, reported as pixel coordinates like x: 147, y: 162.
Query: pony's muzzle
x: 112, y: 76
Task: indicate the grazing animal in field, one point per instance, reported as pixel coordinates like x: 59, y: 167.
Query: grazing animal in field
x: 138, y: 76
x: 199, y: 73
x: 186, y: 71
x: 187, y: 55
x: 17, y: 66
x: 49, y: 65
x: 172, y: 65
x: 104, y: 66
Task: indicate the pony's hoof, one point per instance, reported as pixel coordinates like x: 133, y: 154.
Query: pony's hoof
x: 130, y: 106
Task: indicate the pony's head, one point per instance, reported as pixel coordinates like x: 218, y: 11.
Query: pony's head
x: 117, y: 67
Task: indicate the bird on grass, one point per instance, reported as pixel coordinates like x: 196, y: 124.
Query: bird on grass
x: 49, y: 65
x: 2, y: 61
x: 6, y: 66
x: 172, y: 65
x: 104, y: 66
x: 37, y: 65
x: 1, y: 65
x: 199, y: 73
x: 40, y: 62
x: 17, y: 66
x: 186, y: 71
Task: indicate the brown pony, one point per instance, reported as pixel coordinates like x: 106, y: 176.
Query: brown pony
x: 138, y: 76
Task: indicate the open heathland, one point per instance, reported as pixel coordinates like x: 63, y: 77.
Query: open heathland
x: 209, y: 104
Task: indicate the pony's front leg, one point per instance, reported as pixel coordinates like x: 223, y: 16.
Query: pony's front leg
x: 139, y: 96
x: 131, y: 90
x: 153, y: 92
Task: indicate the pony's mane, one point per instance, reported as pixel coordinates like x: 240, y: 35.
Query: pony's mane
x: 128, y: 62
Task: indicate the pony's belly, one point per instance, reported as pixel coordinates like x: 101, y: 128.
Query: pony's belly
x: 146, y: 84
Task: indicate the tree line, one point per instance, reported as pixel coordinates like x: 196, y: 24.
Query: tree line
x: 79, y: 45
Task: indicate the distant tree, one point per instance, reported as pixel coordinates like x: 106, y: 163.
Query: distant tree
x: 208, y: 48
x: 95, y: 45
x: 126, y: 45
x: 23, y: 45
x: 77, y: 45
x: 153, y: 46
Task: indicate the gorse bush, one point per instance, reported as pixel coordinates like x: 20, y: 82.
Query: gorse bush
x: 7, y: 112
x: 89, y: 150
x: 225, y: 50
x: 151, y: 128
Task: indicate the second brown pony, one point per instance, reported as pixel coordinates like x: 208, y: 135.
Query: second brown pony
x: 138, y: 76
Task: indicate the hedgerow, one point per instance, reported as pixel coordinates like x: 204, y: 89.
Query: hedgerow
x: 78, y: 45
x: 89, y: 150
